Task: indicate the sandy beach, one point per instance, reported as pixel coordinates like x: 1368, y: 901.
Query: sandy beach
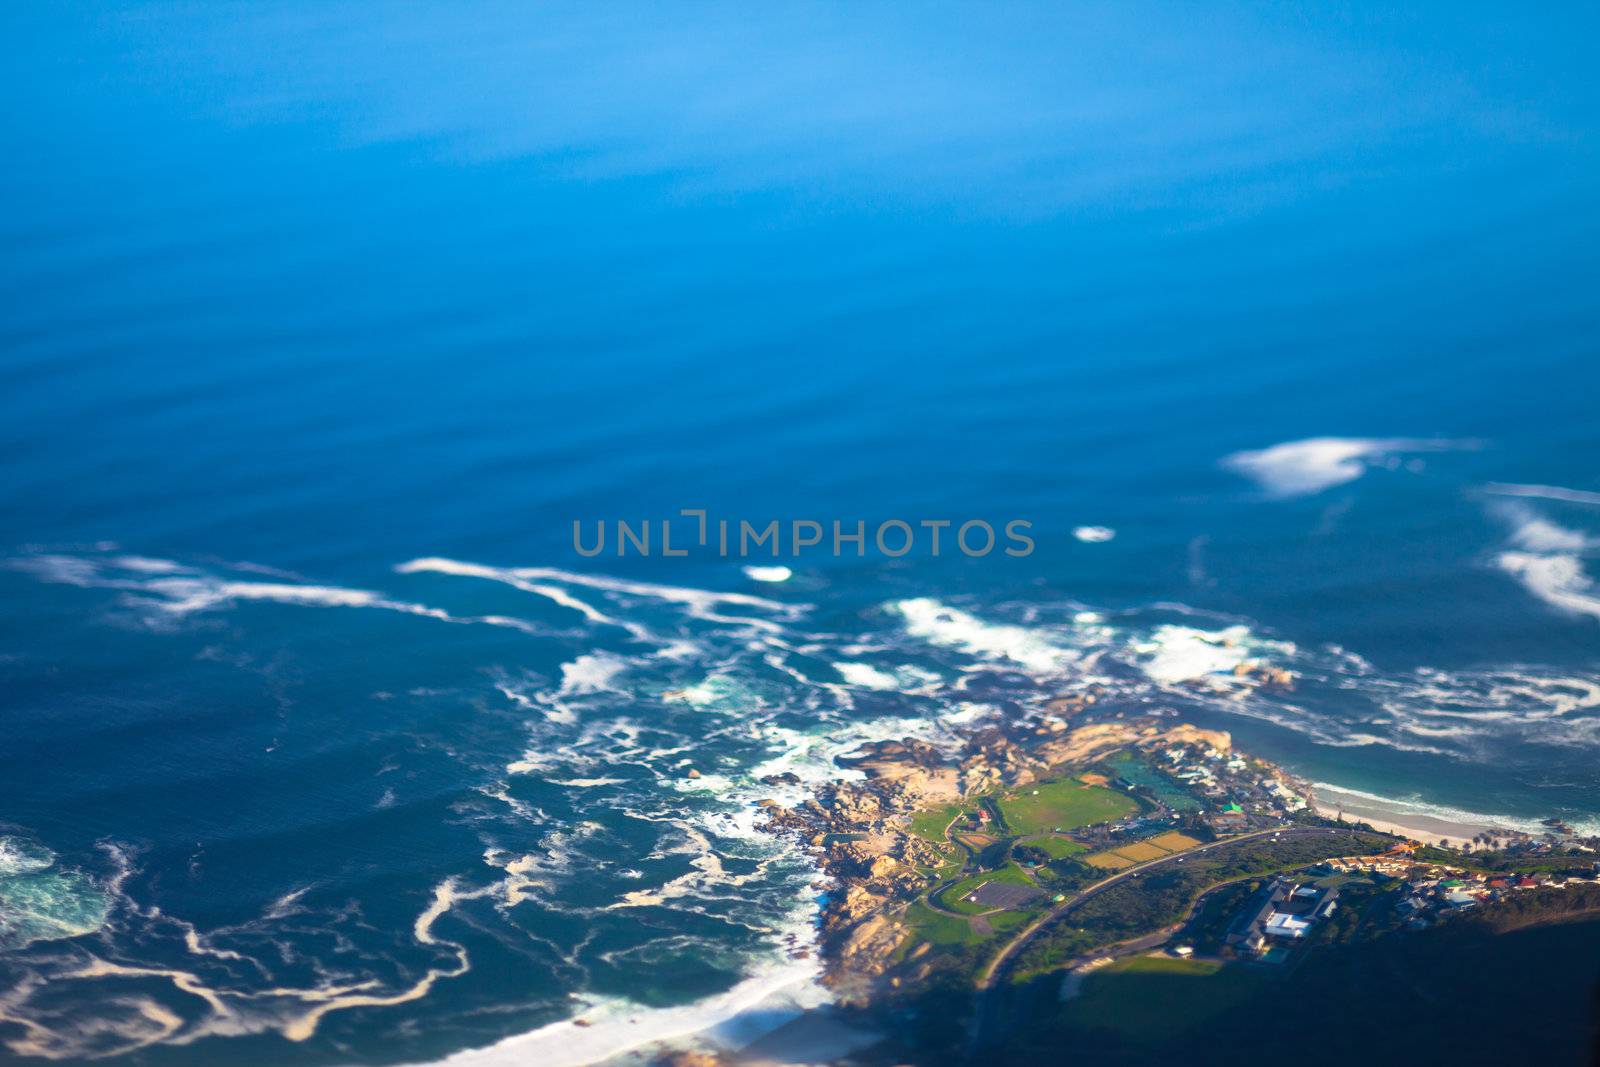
x: 1397, y: 817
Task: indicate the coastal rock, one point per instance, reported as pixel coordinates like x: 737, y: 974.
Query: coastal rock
x: 916, y: 767
x: 1072, y: 704
x: 688, y: 1059
x: 857, y: 902
x: 864, y: 955
x: 1084, y: 743
x: 1184, y: 734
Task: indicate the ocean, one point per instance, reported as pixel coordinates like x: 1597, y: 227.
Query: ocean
x: 323, y: 740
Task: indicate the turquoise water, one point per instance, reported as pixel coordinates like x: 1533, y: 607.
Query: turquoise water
x: 322, y: 743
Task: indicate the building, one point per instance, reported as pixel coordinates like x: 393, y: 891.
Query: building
x: 1282, y: 911
x: 1281, y: 924
x: 1230, y: 820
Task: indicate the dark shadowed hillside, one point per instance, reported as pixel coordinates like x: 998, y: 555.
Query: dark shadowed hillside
x: 1488, y: 988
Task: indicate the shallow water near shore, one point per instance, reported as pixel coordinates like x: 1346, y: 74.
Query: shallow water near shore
x: 321, y: 740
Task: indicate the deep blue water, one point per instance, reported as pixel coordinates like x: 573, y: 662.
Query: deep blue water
x: 294, y: 295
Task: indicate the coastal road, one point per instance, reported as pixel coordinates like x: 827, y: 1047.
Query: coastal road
x: 997, y: 967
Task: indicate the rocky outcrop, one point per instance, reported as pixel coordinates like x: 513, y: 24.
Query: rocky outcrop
x: 864, y: 954
x: 918, y: 769
x: 1265, y: 675
x: 860, y: 830
x: 1184, y: 734
x: 688, y: 1059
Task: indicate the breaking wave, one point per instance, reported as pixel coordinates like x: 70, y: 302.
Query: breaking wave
x: 41, y: 900
x: 1300, y: 468
x: 1547, y: 558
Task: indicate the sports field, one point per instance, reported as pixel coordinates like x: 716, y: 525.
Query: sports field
x: 1062, y: 805
x: 1116, y: 859
x: 1141, y: 852
x: 955, y: 897
x: 1173, y: 841
x: 1057, y: 847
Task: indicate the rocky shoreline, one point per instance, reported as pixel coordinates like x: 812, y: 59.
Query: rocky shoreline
x: 859, y: 830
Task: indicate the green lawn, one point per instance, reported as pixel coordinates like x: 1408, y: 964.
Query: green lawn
x: 1059, y: 848
x: 1164, y: 965
x: 1062, y: 805
x: 929, y: 925
x: 929, y: 825
x: 1007, y: 921
x: 1150, y: 999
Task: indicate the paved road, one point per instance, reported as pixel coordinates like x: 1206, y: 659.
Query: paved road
x: 991, y: 974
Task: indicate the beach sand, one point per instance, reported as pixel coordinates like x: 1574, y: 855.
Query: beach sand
x: 1394, y: 819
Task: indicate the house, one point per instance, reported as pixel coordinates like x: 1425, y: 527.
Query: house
x: 1246, y: 929
x: 1281, y: 911
x: 1230, y: 820
x: 1281, y: 924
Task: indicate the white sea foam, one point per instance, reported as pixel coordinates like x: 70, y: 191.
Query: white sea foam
x: 1174, y: 654
x: 1184, y: 654
x: 174, y: 590
x: 1093, y: 534
x: 146, y: 565
x: 777, y: 573
x: 517, y: 580
x: 718, y: 692
x: 1545, y: 492
x: 43, y: 901
x: 939, y: 624
x: 770, y: 995
x: 1545, y: 557
x: 1470, y: 711
x: 21, y: 857
x: 550, y: 582
x: 127, y: 1019
x: 1558, y: 580
x: 1297, y: 468
x: 1541, y: 535
x: 1504, y: 695
x: 866, y: 676
x: 594, y: 672
x: 904, y: 678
